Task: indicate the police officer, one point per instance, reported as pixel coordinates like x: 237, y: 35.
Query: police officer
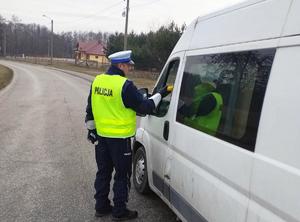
x: 111, y: 122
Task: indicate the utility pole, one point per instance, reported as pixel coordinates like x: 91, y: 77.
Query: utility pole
x: 51, y: 49
x: 4, y: 41
x: 48, y: 46
x: 126, y: 25
x: 51, y: 41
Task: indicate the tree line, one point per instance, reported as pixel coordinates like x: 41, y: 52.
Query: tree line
x: 17, y: 39
x: 150, y: 50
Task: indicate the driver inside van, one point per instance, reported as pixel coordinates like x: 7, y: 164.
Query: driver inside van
x: 205, y: 110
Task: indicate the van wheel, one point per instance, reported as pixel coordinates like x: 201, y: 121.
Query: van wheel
x: 140, y: 175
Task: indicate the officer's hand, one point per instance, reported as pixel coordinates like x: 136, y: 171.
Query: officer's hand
x: 165, y: 91
x: 92, y: 136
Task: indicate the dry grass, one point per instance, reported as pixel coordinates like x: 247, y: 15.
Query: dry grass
x: 142, y: 79
x: 72, y: 67
x: 6, y: 75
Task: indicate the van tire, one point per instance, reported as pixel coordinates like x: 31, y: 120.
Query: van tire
x: 140, y: 173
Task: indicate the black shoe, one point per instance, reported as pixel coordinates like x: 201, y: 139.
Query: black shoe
x: 103, y: 213
x: 128, y: 215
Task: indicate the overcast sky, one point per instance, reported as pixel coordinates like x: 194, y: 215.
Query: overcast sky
x: 106, y: 15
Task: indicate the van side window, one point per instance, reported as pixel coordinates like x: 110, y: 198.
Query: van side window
x: 222, y: 94
x: 168, y: 77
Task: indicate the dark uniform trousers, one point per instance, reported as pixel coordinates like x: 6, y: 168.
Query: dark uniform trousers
x: 113, y: 153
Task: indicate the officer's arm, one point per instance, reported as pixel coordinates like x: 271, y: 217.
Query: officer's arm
x: 89, y: 118
x: 133, y: 99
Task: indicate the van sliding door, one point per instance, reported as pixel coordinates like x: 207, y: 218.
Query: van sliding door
x: 218, y: 114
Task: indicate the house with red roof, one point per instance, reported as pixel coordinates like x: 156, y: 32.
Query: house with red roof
x: 92, y: 51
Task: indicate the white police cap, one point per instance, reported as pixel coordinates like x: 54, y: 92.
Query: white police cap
x: 121, y: 57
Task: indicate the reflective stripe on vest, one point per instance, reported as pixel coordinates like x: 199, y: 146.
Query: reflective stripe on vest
x: 112, y: 118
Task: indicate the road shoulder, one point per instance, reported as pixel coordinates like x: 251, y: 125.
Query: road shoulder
x: 6, y: 75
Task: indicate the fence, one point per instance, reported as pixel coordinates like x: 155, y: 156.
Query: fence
x: 151, y: 74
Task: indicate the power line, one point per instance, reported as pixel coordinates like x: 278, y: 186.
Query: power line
x: 144, y: 4
x: 88, y: 22
x: 102, y: 16
x: 126, y: 25
x: 94, y: 14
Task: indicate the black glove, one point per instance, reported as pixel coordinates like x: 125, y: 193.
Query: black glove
x: 92, y: 136
x: 164, y: 91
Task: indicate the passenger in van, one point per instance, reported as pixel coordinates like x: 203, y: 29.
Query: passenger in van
x: 205, y: 110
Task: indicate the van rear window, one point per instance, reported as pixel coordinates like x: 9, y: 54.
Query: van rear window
x: 222, y: 94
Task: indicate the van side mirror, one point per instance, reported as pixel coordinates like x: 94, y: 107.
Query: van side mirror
x: 154, y: 90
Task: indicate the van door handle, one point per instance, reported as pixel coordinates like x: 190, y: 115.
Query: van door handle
x: 166, y: 130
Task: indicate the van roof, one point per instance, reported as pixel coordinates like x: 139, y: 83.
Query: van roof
x: 229, y: 9
x: 248, y: 21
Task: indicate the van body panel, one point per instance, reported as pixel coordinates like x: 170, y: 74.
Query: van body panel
x: 277, y: 167
x: 275, y: 186
x: 229, y: 9
x: 223, y: 160
x: 183, y: 42
x: 239, y: 47
x: 278, y: 135
x: 213, y: 195
x: 290, y: 41
x: 182, y: 189
x: 146, y: 142
x: 259, y: 21
x: 229, y: 169
x: 185, y: 39
x: 258, y: 213
x: 209, y: 198
x: 139, y: 133
x: 158, y: 147
x: 292, y: 26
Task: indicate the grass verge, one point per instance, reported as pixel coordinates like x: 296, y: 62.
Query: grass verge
x: 6, y: 75
x: 142, y: 79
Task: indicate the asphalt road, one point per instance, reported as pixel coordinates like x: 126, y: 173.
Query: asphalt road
x: 47, y: 167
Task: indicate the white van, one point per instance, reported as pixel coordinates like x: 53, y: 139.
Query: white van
x: 246, y: 167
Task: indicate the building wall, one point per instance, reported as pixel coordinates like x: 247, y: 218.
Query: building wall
x: 101, y: 59
x: 98, y: 58
x: 82, y: 56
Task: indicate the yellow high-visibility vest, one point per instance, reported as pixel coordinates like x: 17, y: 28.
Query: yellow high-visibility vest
x: 112, y: 119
